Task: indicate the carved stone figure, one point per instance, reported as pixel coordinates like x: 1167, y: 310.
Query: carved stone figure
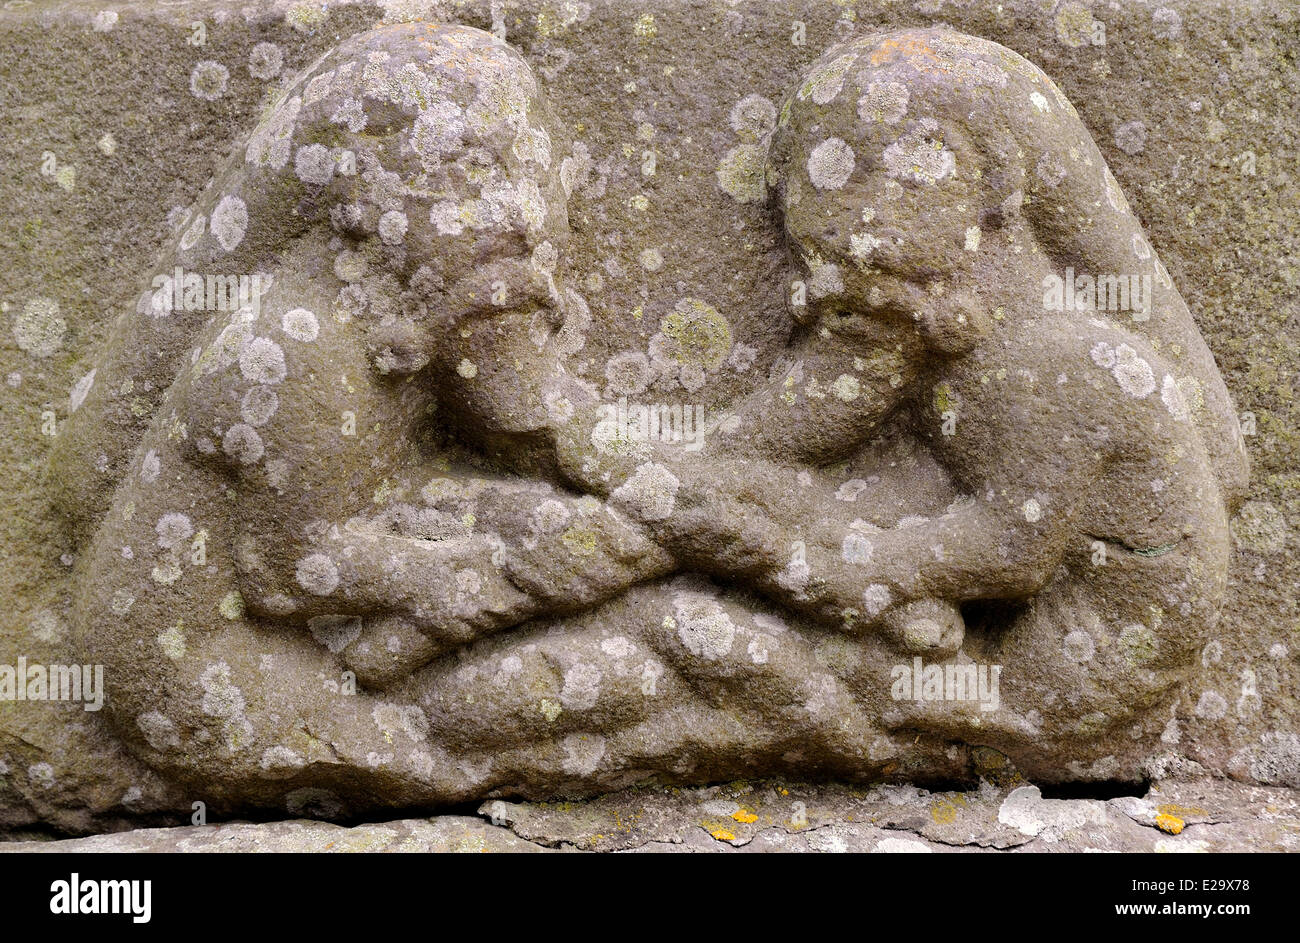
x: 374, y: 544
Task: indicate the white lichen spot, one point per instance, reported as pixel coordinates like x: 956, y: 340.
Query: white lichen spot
x: 1050, y: 169
x: 1032, y: 510
x: 281, y: 757
x: 208, y: 80
x: 265, y: 61
x: 876, y: 599
x: 856, y: 548
x: 830, y: 164
x: 1131, y: 137
x: 1103, y: 355
x: 38, y: 329
x: 229, y: 221
x: 702, y: 626
x: 41, y: 774
x: 172, y: 642
x: 438, y: 132
x: 827, y: 81
x: 549, y: 517
x: 317, y: 574
x: 407, y: 719
x: 304, y: 17
x: 618, y: 647
x: 231, y: 606
x: 920, y: 156
x: 121, y: 602
x: 825, y: 279
x: 533, y: 146
x: 159, y: 731
x: 1133, y: 374
x: 896, y: 846
x: 850, y: 490
x: 173, y: 530
x: 270, y: 141
x: 1173, y: 399
x: 628, y: 373
x: 582, y: 752
x: 753, y: 117
x: 221, y: 698
x: 242, y: 443
x: 259, y: 405
x: 190, y: 238
x: 1211, y: 706
x: 335, y: 632
x: 261, y: 360
x: 846, y: 388
x: 884, y: 101
x: 581, y: 687
x: 314, y: 164
x: 575, y: 170
x: 301, y: 325
x: 650, y: 494
x: 392, y: 227
x: 1166, y: 23
x: 862, y: 245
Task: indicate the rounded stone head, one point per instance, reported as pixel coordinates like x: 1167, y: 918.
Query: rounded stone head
x: 436, y: 165
x: 907, y: 164
x: 929, y: 176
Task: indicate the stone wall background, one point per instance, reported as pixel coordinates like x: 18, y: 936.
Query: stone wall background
x: 1192, y: 103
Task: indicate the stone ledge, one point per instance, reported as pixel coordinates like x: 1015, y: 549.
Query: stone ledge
x: 1207, y: 93
x: 1198, y: 816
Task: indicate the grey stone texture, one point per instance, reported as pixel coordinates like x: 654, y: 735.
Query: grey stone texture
x: 387, y: 538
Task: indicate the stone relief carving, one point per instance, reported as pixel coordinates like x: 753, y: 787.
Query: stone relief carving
x: 374, y: 544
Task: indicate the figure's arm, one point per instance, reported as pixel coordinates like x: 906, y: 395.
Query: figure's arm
x: 744, y: 499
x: 528, y: 555
x: 569, y: 552
x: 751, y: 519
x: 741, y: 519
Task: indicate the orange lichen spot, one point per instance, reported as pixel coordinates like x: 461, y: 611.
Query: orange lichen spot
x: 1169, y: 823
x: 943, y: 813
x: 916, y: 50
x: 1182, y: 811
x: 721, y: 834
x: 744, y: 816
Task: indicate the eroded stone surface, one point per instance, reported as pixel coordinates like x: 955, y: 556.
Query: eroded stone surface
x: 369, y: 576
x: 256, y: 550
